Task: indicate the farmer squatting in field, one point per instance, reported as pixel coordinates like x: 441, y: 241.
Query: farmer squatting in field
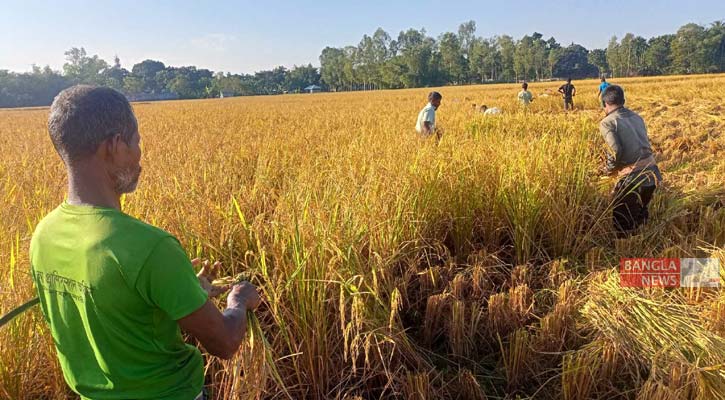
x: 115, y: 291
x: 633, y: 161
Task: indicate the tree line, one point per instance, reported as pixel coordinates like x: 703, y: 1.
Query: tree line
x: 413, y: 59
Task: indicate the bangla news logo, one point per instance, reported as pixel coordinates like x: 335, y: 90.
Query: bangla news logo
x: 669, y: 272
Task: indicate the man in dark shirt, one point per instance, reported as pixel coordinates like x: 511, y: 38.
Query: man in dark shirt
x: 568, y: 91
x: 633, y: 161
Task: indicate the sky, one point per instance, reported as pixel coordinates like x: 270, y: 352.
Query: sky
x: 248, y: 36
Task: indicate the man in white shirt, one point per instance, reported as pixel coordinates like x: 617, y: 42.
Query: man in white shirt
x: 490, y: 111
x: 426, y: 124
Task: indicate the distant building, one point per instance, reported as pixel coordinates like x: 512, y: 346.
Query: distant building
x: 313, y: 89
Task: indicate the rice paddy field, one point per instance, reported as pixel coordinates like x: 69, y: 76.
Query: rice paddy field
x: 480, y: 267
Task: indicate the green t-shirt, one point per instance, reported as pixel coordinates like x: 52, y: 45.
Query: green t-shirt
x: 525, y: 97
x: 111, y: 289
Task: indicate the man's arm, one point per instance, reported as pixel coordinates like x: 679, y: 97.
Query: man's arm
x: 573, y: 91
x: 221, y: 333
x: 167, y: 281
x: 609, y: 133
x: 427, y: 128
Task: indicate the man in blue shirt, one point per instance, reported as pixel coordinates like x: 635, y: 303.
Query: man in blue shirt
x: 602, y: 87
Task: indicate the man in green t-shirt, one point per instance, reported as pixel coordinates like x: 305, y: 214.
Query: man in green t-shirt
x: 115, y: 291
x: 525, y: 97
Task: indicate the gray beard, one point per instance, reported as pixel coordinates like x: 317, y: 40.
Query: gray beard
x: 126, y: 180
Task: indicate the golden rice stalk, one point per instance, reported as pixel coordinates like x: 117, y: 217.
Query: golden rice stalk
x: 469, y: 388
x: 579, y: 372
x: 459, y: 336
x: 660, y: 330
x: 500, y: 314
x: 520, y: 275
x: 521, y: 299
x: 515, y: 357
x: 481, y: 284
x: 417, y: 386
x: 460, y: 286
x: 435, y: 316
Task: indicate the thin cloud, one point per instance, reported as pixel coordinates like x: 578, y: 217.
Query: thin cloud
x: 214, y: 41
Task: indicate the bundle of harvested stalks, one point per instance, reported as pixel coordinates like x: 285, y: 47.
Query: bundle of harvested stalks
x: 661, y: 333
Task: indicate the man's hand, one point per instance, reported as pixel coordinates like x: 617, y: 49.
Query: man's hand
x: 221, y: 333
x: 243, y: 295
x: 206, y: 276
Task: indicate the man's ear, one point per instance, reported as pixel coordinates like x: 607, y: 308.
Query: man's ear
x: 111, y: 146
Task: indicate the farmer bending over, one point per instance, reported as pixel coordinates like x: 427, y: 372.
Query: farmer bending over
x: 115, y: 291
x: 489, y: 111
x: 633, y: 161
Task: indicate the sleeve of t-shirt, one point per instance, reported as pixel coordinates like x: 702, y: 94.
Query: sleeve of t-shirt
x: 609, y: 134
x: 428, y: 117
x: 167, y: 281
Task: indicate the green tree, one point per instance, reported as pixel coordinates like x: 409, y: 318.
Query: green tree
x: 689, y: 56
x: 113, y: 77
x: 467, y: 39
x: 453, y: 62
x: 598, y: 58
x: 574, y: 63
x: 146, y: 71
x: 300, y: 77
x: 417, y: 55
x: 614, y: 58
x: 132, y: 85
x: 332, y: 68
x: 658, y: 57
x: 84, y: 69
x: 715, y: 45
x: 507, y: 49
x: 524, y: 58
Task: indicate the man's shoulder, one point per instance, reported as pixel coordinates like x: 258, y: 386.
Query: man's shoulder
x: 136, y: 224
x: 108, y: 226
x: 609, y: 121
